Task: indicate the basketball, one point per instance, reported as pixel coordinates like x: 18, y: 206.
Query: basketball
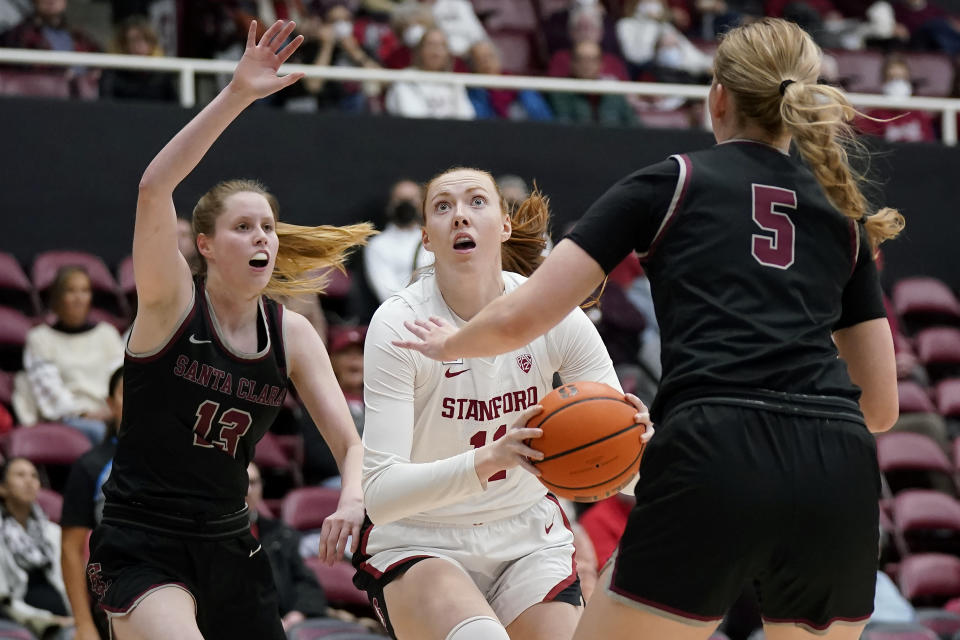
x: 591, y: 443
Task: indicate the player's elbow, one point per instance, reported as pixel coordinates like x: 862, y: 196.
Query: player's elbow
x: 880, y: 416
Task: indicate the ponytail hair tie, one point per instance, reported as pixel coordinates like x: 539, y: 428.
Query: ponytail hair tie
x: 784, y: 85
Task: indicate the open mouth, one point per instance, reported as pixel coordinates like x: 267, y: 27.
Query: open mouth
x: 260, y: 260
x: 463, y: 243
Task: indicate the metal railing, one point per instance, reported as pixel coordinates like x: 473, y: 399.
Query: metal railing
x: 188, y: 68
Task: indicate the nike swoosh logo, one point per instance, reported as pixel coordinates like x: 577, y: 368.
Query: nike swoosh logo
x: 194, y: 340
x: 454, y: 374
x: 546, y: 529
x: 255, y: 551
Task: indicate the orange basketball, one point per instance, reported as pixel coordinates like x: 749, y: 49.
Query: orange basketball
x: 591, y: 443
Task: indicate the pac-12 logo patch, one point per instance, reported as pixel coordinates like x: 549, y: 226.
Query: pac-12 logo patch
x: 525, y: 361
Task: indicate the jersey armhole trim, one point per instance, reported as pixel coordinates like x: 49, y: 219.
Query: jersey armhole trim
x: 159, y: 352
x: 683, y: 181
x: 855, y: 242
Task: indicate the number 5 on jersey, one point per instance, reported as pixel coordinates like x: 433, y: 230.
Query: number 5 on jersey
x: 776, y: 251
x: 234, y: 424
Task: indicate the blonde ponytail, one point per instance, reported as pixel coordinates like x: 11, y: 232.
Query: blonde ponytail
x: 771, y: 69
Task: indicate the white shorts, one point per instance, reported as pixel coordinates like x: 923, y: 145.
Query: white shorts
x: 515, y: 562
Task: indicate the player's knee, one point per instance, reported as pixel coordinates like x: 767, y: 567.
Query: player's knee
x: 478, y: 628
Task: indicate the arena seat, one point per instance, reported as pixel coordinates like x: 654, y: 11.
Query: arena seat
x: 938, y: 349
x: 670, y: 119
x: 305, y: 508
x: 947, y: 394
x: 47, y: 443
x: 6, y: 387
x: 913, y: 460
x: 922, y: 302
x: 15, y: 288
x: 945, y: 624
x: 36, y: 84
x: 51, y: 502
x: 316, y: 628
x: 12, y: 631
x: 931, y: 73
x: 913, y: 398
x: 14, y: 326
x: 928, y: 520
x: 861, y: 70
x: 930, y: 577
x: 897, y: 631
x: 337, y: 583
x: 105, y: 290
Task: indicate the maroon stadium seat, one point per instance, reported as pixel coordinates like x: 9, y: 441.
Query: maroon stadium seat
x: 6, y: 387
x: 927, y: 520
x: 51, y: 502
x: 913, y: 398
x: 337, y: 582
x: 938, y: 348
x: 269, y: 453
x: 861, y: 70
x: 923, y: 302
x: 14, y: 326
x: 913, y: 460
x: 36, y: 84
x: 931, y: 73
x: 948, y: 398
x: 943, y: 623
x: 47, y: 443
x: 671, y: 119
x: 15, y: 288
x: 317, y: 628
x: 926, y: 577
x: 305, y: 508
x: 897, y: 631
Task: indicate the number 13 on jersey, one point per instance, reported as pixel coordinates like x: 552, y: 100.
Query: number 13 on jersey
x: 776, y: 251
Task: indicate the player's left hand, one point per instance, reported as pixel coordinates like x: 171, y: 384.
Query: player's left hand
x: 642, y: 417
x: 433, y: 336
x: 256, y: 73
x: 343, y: 523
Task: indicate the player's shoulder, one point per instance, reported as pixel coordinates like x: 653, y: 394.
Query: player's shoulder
x: 412, y: 302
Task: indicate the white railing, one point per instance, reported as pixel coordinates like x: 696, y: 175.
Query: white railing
x: 188, y: 68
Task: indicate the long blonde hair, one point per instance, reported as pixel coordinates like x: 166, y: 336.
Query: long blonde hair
x: 771, y: 67
x: 530, y: 221
x: 305, y: 254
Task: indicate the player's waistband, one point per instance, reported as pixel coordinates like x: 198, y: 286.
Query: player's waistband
x: 181, y: 525
x: 800, y: 404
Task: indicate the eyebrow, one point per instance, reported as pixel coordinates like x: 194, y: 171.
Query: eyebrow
x: 467, y: 190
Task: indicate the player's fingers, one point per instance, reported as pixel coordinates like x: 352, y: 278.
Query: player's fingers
x: 529, y: 467
x: 252, y: 34
x: 529, y: 452
x: 437, y: 321
x: 526, y: 414
x: 288, y: 50
x: 647, y: 434
x: 414, y: 329
x: 331, y: 541
x: 354, y: 538
x: 270, y: 33
x: 290, y: 79
x: 522, y: 433
x: 282, y: 36
x: 405, y: 344
x: 635, y: 401
x: 342, y: 542
x: 642, y: 418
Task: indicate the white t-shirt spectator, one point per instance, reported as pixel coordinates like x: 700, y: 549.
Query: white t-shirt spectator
x: 391, y: 257
x: 429, y: 100
x: 459, y: 22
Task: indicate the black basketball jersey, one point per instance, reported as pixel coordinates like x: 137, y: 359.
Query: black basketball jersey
x: 751, y: 269
x: 193, y: 413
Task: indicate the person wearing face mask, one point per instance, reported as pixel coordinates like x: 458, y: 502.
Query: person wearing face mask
x: 409, y: 21
x: 391, y: 257
x: 897, y: 125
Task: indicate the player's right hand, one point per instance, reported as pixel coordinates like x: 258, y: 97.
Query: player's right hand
x: 510, y: 451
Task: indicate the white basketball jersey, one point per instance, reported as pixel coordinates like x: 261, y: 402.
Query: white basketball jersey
x: 464, y: 404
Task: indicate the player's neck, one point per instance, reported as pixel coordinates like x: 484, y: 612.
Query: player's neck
x: 233, y: 311
x: 467, y: 291
x: 758, y: 134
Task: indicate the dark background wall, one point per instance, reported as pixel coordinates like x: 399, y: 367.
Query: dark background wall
x: 69, y: 171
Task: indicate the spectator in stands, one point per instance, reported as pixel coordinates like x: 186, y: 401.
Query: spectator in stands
x: 586, y: 23
x: 930, y: 27
x: 897, y: 125
x: 47, y: 28
x: 331, y: 41
x: 82, y: 507
x: 650, y: 41
x: 31, y: 585
x: 712, y: 18
x: 582, y: 20
x: 136, y: 37
x: 408, y: 23
x: 67, y: 365
x: 418, y: 99
x: 459, y: 21
x: 298, y: 592
x: 526, y: 104
x: 346, y: 357
x: 390, y: 257
x: 607, y: 109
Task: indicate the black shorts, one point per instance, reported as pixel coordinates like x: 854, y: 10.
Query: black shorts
x: 230, y: 580
x: 784, y: 498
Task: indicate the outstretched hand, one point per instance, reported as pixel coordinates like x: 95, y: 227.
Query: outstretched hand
x: 256, y: 73
x: 433, y: 335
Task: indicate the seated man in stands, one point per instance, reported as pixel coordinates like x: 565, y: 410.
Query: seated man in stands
x: 298, y: 591
x: 606, y: 109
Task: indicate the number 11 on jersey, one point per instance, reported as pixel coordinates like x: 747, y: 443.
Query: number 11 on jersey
x: 480, y: 438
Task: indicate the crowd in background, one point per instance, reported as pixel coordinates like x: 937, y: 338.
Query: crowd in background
x: 646, y: 40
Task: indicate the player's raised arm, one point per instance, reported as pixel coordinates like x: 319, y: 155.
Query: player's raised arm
x: 162, y: 275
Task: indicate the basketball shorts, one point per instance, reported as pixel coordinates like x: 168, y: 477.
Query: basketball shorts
x: 229, y: 580
x: 783, y: 498
x: 516, y: 562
